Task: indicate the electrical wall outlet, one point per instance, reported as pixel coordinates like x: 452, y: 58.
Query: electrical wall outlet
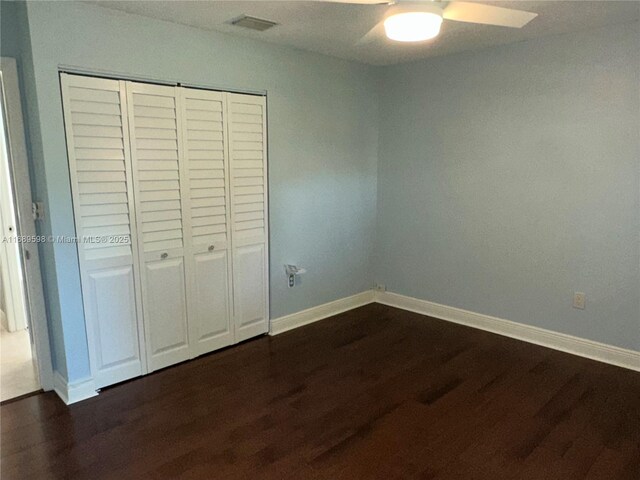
x: 381, y: 287
x: 292, y: 272
x: 579, y: 299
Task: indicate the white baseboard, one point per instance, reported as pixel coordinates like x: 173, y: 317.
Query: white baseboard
x: 547, y: 338
x: 75, y: 392
x: 313, y: 314
x: 72, y: 393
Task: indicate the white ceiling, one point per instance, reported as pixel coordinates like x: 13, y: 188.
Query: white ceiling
x: 334, y: 29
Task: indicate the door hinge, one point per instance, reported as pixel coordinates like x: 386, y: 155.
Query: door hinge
x: 37, y: 208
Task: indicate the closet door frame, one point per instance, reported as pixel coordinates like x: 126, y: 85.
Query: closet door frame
x: 137, y: 250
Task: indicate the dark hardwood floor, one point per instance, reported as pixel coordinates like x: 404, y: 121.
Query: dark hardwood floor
x: 375, y: 393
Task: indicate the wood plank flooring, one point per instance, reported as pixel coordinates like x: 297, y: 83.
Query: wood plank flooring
x: 375, y: 393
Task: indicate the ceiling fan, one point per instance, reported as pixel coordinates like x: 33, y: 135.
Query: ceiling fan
x: 419, y: 20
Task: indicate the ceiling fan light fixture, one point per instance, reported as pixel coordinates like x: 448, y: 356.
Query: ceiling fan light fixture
x: 413, y: 26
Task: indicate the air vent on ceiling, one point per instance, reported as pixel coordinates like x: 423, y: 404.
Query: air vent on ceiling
x: 253, y: 23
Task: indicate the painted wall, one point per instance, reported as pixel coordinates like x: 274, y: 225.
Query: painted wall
x: 15, y: 41
x: 323, y: 147
x: 509, y: 178
x: 9, y: 46
x: 506, y: 179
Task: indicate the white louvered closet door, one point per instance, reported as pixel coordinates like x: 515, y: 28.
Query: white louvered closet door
x: 208, y: 246
x: 95, y: 115
x: 162, y: 219
x: 248, y: 181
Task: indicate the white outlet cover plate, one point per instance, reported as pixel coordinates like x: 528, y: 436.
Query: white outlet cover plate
x: 579, y: 299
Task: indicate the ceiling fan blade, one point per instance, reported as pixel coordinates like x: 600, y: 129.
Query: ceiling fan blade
x: 355, y: 2
x: 359, y: 2
x: 375, y: 34
x: 487, y: 14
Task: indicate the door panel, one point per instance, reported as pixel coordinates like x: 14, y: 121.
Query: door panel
x: 95, y: 112
x: 247, y: 138
x: 213, y: 328
x: 250, y: 291
x: 207, y: 245
x: 167, y: 342
x: 163, y: 222
x: 116, y: 334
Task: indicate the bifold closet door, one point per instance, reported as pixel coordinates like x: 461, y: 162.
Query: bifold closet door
x: 162, y: 219
x: 208, y: 245
x: 248, y: 181
x: 95, y: 114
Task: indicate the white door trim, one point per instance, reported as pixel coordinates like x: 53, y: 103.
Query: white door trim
x: 18, y: 163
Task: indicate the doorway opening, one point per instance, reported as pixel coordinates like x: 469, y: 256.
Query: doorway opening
x: 21, y: 368
x: 18, y: 370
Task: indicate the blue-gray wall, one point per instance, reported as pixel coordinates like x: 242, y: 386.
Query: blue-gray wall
x: 323, y: 148
x: 509, y: 178
x: 9, y: 44
x: 501, y: 180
